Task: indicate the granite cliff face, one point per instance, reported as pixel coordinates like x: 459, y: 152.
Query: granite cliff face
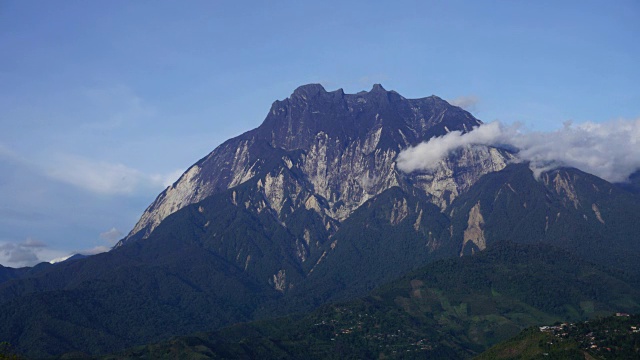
x: 331, y: 152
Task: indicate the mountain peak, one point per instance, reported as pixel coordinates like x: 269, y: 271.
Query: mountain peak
x: 352, y: 128
x: 378, y: 88
x: 309, y: 90
x: 294, y: 123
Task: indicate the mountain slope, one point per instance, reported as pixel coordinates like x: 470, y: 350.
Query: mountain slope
x: 387, y: 236
x: 7, y: 273
x: 565, y: 207
x: 612, y: 337
x: 174, y: 283
x: 449, y: 309
x: 208, y: 265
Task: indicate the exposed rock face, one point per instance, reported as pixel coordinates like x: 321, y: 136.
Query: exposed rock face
x: 596, y: 211
x: 563, y: 185
x: 280, y: 281
x: 474, y: 232
x: 459, y: 172
x: 331, y: 152
x: 399, y: 212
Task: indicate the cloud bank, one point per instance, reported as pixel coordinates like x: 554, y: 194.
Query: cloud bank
x: 609, y: 150
x: 426, y: 155
x: 32, y: 251
x: 26, y: 253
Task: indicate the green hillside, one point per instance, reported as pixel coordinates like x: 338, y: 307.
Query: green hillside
x: 214, y: 263
x: 567, y: 208
x: 454, y: 308
x: 612, y: 337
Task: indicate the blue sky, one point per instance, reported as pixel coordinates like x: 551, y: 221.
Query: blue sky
x: 103, y: 103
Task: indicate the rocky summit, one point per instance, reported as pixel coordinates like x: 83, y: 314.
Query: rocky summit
x: 331, y: 152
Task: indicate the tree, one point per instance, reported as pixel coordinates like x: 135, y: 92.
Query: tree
x: 7, y: 352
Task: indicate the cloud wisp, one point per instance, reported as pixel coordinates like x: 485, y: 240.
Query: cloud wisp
x: 468, y: 103
x: 96, y: 176
x: 609, y: 150
x: 104, y: 177
x: 111, y: 236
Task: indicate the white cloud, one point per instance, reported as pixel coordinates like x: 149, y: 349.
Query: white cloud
x: 60, y: 259
x: 31, y: 252
x: 8, y: 155
x: 94, y: 250
x: 425, y: 156
x: 111, y: 236
x: 468, y: 103
x: 167, y: 179
x: 5, y: 152
x: 17, y: 256
x: 95, y: 176
x: 104, y: 177
x: 27, y: 253
x: 117, y: 105
x: 609, y: 150
x: 33, y: 244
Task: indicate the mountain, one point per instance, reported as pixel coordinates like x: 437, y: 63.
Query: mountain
x: 247, y: 225
x: 564, y: 207
x: 72, y: 257
x: 7, y: 273
x: 306, y: 209
x: 330, y: 152
x: 633, y: 185
x: 452, y: 308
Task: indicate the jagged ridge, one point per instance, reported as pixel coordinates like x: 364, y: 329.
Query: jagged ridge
x: 341, y: 150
